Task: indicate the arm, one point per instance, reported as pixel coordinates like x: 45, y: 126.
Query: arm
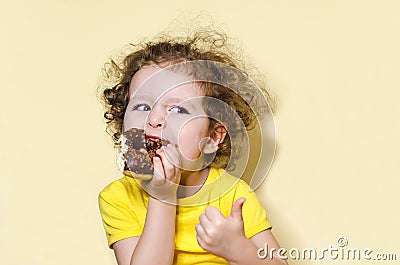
x: 156, y: 237
x: 225, y: 237
x: 159, y: 229
x: 249, y: 250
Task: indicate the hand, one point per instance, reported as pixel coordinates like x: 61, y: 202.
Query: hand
x: 220, y: 235
x: 166, y: 178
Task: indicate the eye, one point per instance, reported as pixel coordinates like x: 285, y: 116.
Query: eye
x: 141, y: 107
x: 179, y: 109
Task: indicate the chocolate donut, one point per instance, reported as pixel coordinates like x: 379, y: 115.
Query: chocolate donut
x: 139, y: 153
x: 153, y: 144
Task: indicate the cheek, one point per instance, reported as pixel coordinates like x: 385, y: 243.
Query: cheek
x: 190, y: 138
x: 189, y: 145
x: 136, y: 120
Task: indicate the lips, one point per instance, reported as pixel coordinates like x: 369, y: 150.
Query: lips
x: 149, y: 136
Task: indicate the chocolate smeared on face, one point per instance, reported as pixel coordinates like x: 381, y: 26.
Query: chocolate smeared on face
x: 140, y: 151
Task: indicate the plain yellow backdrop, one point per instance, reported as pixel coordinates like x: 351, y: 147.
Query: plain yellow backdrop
x: 333, y: 64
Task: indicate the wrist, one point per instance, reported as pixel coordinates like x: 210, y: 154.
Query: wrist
x: 162, y: 192
x: 240, y: 251
x: 167, y: 202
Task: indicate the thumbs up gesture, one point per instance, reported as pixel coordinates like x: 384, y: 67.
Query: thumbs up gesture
x: 220, y: 235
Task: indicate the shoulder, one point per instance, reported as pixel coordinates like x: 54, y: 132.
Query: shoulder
x: 122, y: 209
x: 119, y: 189
x: 232, y: 188
x: 236, y: 184
x: 114, y: 187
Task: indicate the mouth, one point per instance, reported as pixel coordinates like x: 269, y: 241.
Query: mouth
x: 149, y: 136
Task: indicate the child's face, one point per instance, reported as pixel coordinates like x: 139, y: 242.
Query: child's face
x: 173, y: 114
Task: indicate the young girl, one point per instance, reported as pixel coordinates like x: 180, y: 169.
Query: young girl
x: 188, y: 93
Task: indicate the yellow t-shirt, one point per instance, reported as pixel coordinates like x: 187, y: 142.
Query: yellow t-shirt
x: 123, y: 207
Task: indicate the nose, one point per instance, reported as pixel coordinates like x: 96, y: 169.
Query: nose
x: 156, y: 119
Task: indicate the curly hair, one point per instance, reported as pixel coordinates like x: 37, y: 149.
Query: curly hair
x: 206, y: 45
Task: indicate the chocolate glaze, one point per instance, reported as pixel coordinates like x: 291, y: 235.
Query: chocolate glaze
x: 141, y: 150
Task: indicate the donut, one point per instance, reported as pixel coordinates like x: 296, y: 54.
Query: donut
x: 138, y: 153
x: 153, y: 144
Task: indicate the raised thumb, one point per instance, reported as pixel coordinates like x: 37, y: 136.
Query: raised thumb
x: 236, y: 212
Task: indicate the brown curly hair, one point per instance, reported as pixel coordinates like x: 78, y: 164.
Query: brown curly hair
x: 208, y: 45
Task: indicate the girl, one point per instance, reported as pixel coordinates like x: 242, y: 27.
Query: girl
x: 191, y: 211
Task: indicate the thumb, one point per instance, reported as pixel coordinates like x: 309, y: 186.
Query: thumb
x: 236, y: 212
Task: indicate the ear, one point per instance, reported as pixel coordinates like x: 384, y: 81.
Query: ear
x: 216, y: 137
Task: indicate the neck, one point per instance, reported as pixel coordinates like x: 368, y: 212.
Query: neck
x: 192, y: 181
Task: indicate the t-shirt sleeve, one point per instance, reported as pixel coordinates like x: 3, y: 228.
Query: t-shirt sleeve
x: 254, y: 215
x: 119, y: 220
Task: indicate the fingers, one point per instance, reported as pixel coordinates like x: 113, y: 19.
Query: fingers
x: 169, y: 158
x: 165, y: 181
x: 208, y: 223
x: 205, y: 222
x: 159, y: 175
x: 209, y: 227
x: 236, y: 212
x: 213, y: 214
x: 201, y: 235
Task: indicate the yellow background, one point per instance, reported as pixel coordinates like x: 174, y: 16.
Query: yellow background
x: 333, y: 64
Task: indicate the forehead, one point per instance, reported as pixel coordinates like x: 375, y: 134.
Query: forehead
x: 154, y: 81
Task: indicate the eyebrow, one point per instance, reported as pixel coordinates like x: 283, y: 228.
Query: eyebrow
x: 175, y: 100
x: 140, y: 97
x: 180, y: 100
